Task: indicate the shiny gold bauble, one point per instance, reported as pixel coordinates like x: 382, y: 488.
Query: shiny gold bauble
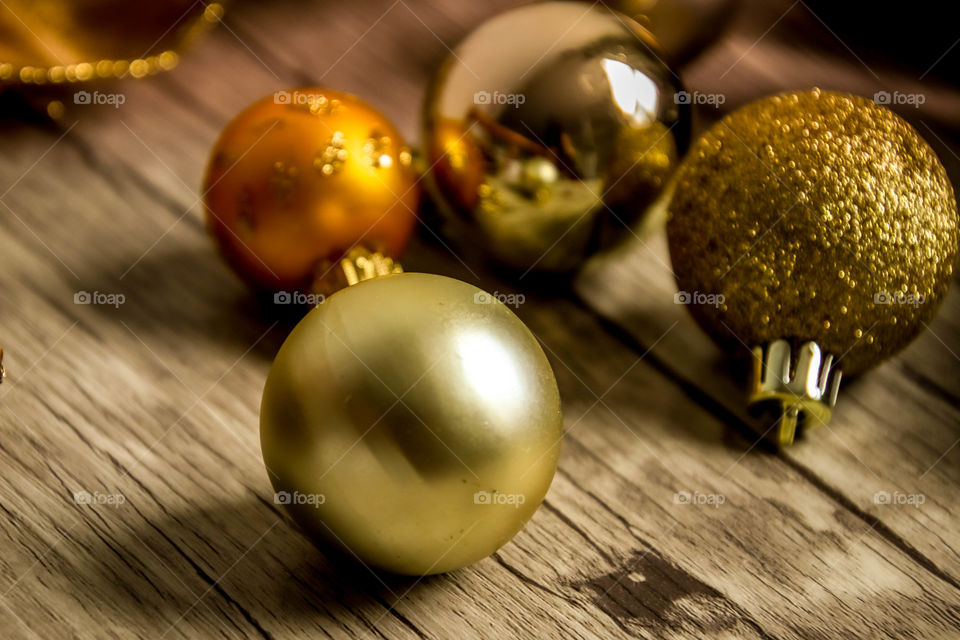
x: 817, y: 216
x: 682, y: 27
x: 412, y: 420
x: 301, y: 177
x: 549, y: 131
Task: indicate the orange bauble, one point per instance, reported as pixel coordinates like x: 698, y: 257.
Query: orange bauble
x: 301, y: 177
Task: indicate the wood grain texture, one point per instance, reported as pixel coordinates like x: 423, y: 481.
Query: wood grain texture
x: 156, y: 400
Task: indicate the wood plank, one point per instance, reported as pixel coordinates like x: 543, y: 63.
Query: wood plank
x: 157, y: 400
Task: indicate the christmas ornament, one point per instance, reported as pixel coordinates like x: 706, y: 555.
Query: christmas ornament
x: 412, y: 420
x: 548, y: 132
x: 682, y: 27
x: 818, y: 229
x: 301, y: 177
x: 65, y: 41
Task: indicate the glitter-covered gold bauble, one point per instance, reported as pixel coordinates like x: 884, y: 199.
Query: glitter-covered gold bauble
x: 549, y: 131
x: 413, y: 421
x: 818, y: 218
x: 300, y: 178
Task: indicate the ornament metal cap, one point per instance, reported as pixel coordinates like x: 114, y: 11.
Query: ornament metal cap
x: 802, y: 396
x: 357, y: 265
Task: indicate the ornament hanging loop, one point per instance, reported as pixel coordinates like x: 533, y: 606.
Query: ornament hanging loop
x: 801, y: 395
x: 357, y: 265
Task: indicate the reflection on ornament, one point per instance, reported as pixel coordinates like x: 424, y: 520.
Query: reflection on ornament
x: 413, y: 421
x: 549, y: 131
x: 301, y: 177
x: 63, y: 41
x: 827, y: 229
x: 682, y: 27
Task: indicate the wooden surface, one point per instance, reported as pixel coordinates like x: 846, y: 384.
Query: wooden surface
x: 156, y: 400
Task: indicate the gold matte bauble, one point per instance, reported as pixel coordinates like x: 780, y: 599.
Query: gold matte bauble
x: 549, y: 131
x: 413, y: 421
x: 814, y: 216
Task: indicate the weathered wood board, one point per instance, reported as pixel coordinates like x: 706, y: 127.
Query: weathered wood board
x: 154, y: 400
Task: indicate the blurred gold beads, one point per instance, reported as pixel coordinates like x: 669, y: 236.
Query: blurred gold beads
x: 85, y: 42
